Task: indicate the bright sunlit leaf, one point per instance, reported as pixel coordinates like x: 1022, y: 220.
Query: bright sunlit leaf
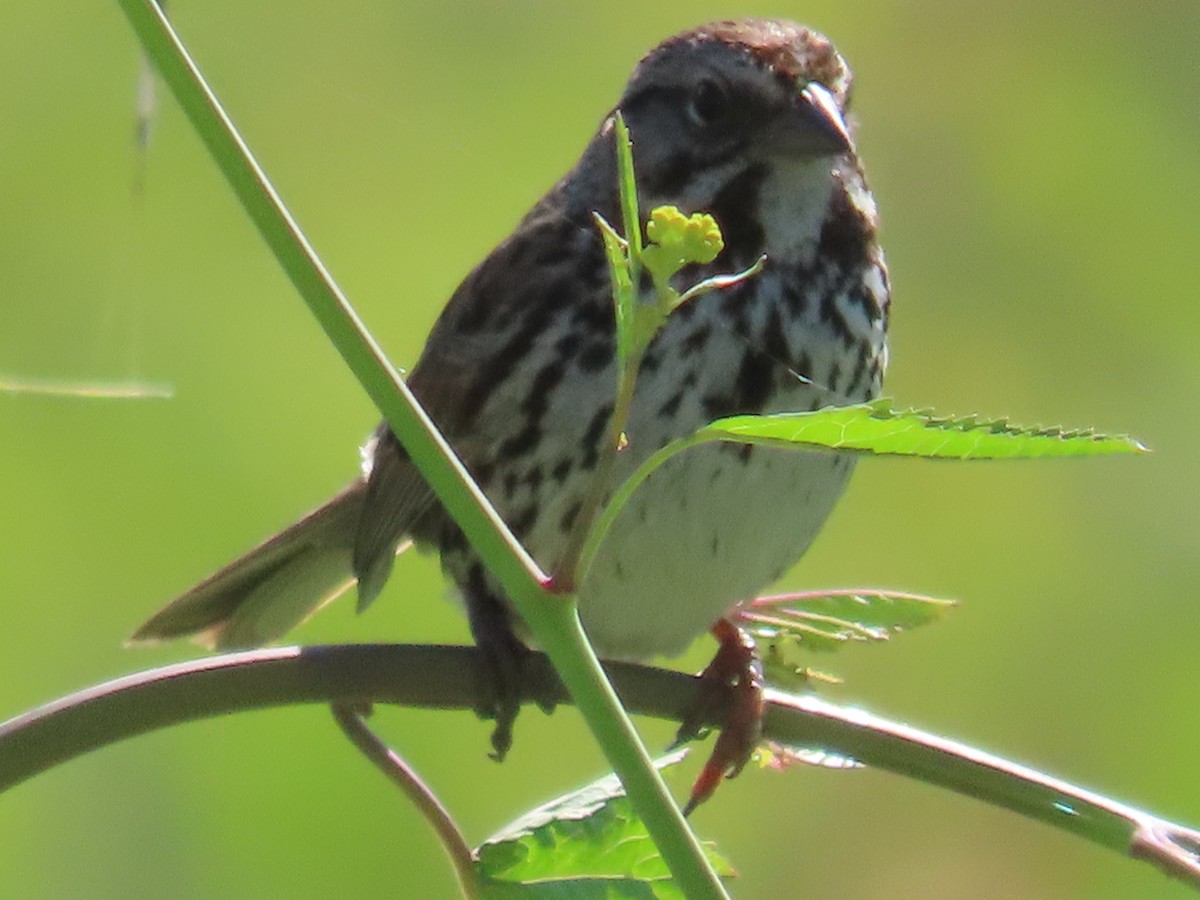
x: 868, y: 609
x: 877, y: 428
x: 785, y: 626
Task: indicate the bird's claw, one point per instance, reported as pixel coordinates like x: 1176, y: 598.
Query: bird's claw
x: 732, y: 690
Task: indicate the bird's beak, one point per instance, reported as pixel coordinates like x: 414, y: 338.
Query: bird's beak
x: 814, y: 127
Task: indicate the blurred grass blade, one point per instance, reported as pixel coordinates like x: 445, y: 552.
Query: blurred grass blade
x: 879, y: 429
x: 102, y: 390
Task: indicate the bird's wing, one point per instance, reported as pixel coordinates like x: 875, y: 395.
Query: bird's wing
x: 486, y: 331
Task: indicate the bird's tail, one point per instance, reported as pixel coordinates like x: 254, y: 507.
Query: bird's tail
x: 261, y: 596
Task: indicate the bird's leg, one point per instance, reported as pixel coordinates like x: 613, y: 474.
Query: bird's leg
x: 732, y: 682
x: 503, y: 657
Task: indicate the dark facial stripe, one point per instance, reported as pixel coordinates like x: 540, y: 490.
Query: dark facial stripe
x: 847, y: 235
x: 736, y: 210
x: 676, y: 173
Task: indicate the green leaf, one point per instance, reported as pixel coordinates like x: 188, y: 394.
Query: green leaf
x: 784, y: 626
x: 868, y: 609
x: 877, y: 428
x: 624, y: 297
x: 627, y: 181
x: 829, y: 619
x: 590, y: 835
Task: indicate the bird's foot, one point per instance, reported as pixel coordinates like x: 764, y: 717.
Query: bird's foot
x: 732, y: 689
x: 500, y: 672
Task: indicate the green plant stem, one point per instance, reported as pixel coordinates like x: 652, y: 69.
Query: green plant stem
x: 442, y: 678
x: 580, y: 671
x: 626, y: 273
x: 553, y: 621
x: 570, y: 571
x: 624, y: 491
x: 428, y: 449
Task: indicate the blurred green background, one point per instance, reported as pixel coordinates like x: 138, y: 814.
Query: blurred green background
x: 1036, y: 165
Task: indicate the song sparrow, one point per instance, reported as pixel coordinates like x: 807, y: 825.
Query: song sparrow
x: 742, y: 119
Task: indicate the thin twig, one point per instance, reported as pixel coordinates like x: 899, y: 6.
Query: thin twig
x: 401, y: 774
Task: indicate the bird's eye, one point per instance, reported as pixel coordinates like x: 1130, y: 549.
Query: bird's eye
x: 709, y: 103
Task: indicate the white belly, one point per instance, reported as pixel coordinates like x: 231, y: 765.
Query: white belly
x: 704, y: 532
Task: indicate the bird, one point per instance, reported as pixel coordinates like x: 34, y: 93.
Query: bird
x: 747, y: 120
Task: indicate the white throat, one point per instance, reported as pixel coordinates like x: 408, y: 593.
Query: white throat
x: 793, y: 203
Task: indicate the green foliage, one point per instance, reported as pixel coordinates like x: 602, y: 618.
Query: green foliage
x: 588, y: 843
x: 627, y: 183
x: 879, y: 429
x: 624, y: 303
x: 829, y: 620
x: 874, y: 429
x: 785, y: 625
x: 676, y: 241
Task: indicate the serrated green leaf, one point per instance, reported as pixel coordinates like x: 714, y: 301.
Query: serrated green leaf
x: 589, y: 834
x: 867, y: 608
x: 788, y: 624
x: 878, y: 429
